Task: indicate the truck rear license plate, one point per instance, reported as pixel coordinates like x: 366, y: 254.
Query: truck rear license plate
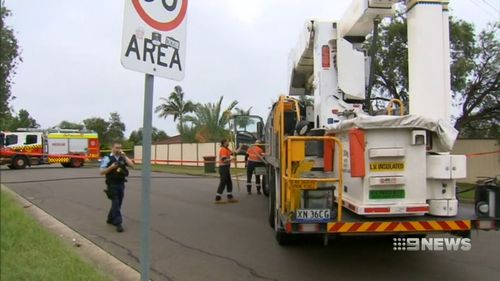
x: 312, y: 215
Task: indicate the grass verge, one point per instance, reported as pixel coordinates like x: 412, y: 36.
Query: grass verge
x: 30, y: 252
x: 465, y: 191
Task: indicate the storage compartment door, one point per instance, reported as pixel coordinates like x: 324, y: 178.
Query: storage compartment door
x: 78, y: 145
x: 58, y: 146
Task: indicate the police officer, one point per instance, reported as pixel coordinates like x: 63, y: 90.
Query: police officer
x: 255, y: 159
x: 114, y: 166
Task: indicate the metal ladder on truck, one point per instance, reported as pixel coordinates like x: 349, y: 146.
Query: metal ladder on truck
x: 306, y: 189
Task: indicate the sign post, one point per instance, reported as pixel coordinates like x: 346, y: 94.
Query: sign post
x: 154, y: 43
x: 146, y: 176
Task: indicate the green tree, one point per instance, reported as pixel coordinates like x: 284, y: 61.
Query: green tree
x: 70, y: 125
x: 391, y: 61
x: 211, y: 121
x: 156, y: 135
x: 306, y: 100
x: 479, y: 96
x: 474, y: 73
x: 242, y: 121
x: 100, y: 126
x: 23, y: 120
x: 176, y: 106
x: 188, y: 132
x: 111, y: 130
x: 116, y: 128
x: 9, y: 58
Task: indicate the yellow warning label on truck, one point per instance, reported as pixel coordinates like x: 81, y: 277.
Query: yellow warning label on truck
x: 303, y: 184
x: 387, y: 166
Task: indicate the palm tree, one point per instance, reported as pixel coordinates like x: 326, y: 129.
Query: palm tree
x: 306, y: 100
x: 242, y: 121
x: 210, y: 120
x: 189, y: 131
x: 176, y: 106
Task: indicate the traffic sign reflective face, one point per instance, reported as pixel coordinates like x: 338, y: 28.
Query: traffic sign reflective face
x: 154, y: 37
x: 164, y: 17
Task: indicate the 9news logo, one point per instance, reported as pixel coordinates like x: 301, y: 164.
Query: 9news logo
x: 431, y: 244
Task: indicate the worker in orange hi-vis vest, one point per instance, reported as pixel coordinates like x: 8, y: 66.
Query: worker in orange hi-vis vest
x: 225, y: 175
x: 255, y: 159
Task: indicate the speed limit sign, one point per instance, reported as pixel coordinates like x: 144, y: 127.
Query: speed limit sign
x: 154, y: 37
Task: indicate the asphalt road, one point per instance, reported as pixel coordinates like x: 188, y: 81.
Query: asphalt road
x: 194, y: 239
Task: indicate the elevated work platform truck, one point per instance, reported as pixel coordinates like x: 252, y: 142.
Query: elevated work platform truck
x: 333, y: 169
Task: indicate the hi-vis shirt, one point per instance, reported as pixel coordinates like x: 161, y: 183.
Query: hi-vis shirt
x: 224, y: 154
x: 255, y: 153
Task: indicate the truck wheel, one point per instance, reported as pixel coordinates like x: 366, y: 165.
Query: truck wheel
x: 265, y: 185
x: 76, y: 163
x: 271, y: 210
x: 66, y: 165
x: 19, y: 162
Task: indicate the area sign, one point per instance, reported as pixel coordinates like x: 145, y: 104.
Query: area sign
x: 154, y: 37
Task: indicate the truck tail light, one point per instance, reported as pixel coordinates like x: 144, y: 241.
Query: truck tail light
x: 417, y: 209
x: 378, y: 210
x: 485, y: 224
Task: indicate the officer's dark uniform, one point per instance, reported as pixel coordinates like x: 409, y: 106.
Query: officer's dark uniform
x: 115, y: 180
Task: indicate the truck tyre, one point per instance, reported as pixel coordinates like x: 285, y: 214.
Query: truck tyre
x: 265, y: 184
x: 76, y: 163
x: 271, y: 210
x: 19, y: 162
x: 66, y: 165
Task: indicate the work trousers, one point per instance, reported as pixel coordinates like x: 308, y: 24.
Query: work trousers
x: 225, y: 181
x: 117, y: 194
x: 251, y: 165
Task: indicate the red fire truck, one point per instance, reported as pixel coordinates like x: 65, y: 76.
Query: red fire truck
x: 27, y: 147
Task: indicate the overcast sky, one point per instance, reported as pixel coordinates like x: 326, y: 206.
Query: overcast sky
x: 236, y: 48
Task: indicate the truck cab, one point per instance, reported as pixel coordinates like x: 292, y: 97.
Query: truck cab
x: 27, y: 147
x: 13, y: 139
x: 247, y: 129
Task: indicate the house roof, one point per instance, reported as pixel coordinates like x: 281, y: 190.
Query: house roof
x: 170, y: 140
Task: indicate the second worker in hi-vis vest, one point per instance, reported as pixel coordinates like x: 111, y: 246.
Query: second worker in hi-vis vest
x: 255, y: 159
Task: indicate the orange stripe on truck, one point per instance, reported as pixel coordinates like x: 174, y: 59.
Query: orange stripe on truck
x: 355, y: 227
x: 373, y: 226
x: 357, y: 152
x: 463, y: 224
x: 407, y: 226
